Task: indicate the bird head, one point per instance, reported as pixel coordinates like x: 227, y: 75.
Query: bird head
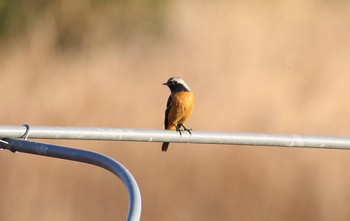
x: 176, y: 84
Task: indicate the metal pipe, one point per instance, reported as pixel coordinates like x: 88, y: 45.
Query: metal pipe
x: 84, y: 156
x: 151, y: 135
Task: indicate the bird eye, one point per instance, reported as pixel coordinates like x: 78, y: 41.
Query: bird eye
x: 175, y: 82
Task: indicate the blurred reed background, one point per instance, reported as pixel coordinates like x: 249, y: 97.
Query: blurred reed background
x: 255, y: 66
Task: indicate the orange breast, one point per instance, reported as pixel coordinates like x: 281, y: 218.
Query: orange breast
x: 181, y: 108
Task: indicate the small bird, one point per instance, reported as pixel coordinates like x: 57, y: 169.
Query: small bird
x: 179, y: 106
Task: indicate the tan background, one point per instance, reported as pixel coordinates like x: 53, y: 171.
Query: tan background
x: 255, y: 66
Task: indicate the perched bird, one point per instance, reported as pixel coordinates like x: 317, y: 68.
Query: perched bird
x: 179, y: 106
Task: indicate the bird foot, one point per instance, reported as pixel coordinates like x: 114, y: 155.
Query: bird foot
x: 184, y: 129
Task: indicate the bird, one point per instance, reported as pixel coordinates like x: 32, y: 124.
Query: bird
x: 179, y: 106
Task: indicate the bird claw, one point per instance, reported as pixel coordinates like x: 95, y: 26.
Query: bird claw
x: 184, y: 129
x: 189, y: 131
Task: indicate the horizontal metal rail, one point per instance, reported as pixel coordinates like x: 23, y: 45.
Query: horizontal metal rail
x: 147, y: 135
x: 84, y: 156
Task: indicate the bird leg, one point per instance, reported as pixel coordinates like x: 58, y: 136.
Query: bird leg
x: 184, y: 129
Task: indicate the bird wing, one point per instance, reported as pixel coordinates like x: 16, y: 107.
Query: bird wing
x: 167, y: 110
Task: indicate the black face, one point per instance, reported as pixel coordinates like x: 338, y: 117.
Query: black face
x: 176, y: 85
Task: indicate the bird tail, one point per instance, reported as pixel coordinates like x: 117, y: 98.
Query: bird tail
x: 165, y: 146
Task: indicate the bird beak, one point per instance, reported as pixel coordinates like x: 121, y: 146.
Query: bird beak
x: 165, y: 84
